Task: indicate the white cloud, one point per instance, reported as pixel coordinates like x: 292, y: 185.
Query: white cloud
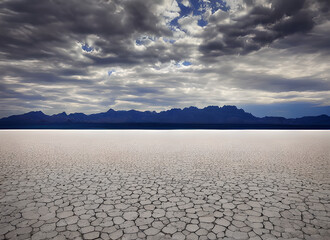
x: 186, y: 3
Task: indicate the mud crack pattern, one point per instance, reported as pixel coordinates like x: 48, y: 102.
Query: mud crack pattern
x: 165, y: 185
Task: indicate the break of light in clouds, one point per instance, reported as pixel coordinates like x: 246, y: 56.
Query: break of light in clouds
x: 89, y: 56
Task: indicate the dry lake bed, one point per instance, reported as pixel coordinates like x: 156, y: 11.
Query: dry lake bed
x: 127, y: 184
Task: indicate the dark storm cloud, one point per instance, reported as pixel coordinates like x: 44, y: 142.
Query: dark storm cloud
x: 55, y: 76
x: 48, y: 29
x: 280, y: 84
x: 40, y: 29
x: 5, y: 92
x: 239, y: 78
x: 261, y: 25
x: 317, y: 40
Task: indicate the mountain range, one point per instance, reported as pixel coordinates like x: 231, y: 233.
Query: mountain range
x: 211, y: 117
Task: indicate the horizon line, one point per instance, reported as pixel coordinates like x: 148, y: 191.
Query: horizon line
x: 169, y: 109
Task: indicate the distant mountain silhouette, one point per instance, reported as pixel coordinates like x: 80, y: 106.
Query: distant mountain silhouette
x: 192, y: 117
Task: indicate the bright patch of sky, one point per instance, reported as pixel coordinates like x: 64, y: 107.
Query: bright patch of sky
x: 169, y: 40
x: 111, y: 72
x: 174, y: 12
x: 145, y: 40
x: 87, y: 48
x: 186, y: 63
x: 198, y: 8
x: 182, y: 64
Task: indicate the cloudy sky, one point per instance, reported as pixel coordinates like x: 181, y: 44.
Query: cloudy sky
x: 270, y: 57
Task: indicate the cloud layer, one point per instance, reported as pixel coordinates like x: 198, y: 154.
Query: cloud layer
x: 88, y: 56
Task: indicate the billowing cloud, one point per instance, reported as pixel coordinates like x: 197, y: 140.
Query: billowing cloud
x: 253, y: 26
x: 88, y: 56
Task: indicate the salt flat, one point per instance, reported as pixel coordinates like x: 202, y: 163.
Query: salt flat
x: 139, y: 184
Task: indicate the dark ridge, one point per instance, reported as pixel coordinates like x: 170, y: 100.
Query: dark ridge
x: 211, y: 117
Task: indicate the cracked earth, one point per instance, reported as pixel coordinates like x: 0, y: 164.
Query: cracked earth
x: 164, y: 184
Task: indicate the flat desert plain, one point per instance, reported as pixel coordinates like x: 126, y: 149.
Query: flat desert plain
x: 189, y: 184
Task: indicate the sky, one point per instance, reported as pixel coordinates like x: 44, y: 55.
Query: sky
x: 269, y: 57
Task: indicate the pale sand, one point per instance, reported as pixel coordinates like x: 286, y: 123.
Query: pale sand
x: 164, y: 184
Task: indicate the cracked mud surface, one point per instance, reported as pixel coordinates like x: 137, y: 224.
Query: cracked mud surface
x: 164, y: 184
